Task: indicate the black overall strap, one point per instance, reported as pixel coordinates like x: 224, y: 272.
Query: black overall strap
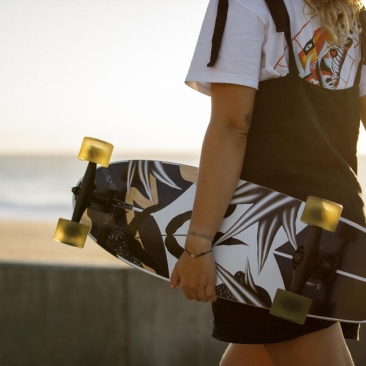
x: 218, y: 31
x: 281, y: 19
x: 279, y: 14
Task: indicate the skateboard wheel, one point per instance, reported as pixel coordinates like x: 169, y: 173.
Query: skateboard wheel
x: 96, y: 151
x: 321, y: 213
x: 289, y: 306
x: 71, y: 233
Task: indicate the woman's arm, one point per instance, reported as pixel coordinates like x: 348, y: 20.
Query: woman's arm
x: 221, y: 162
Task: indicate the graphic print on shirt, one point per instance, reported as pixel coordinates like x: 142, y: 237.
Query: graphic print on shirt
x: 320, y: 62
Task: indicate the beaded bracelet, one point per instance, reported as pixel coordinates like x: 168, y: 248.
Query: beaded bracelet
x: 197, y: 255
x: 203, y: 236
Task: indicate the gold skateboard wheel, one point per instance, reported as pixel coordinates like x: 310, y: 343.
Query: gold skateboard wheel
x: 71, y: 233
x: 322, y: 213
x: 96, y: 151
x: 289, y: 306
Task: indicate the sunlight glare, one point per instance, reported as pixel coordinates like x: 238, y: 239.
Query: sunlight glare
x: 361, y: 147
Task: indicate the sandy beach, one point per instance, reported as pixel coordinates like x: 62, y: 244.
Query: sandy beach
x: 32, y: 242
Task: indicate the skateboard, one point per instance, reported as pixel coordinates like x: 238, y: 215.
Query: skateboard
x: 272, y: 251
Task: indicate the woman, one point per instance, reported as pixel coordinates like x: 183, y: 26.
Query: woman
x: 285, y: 90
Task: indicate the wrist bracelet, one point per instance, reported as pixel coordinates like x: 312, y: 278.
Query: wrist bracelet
x: 203, y: 236
x: 197, y: 255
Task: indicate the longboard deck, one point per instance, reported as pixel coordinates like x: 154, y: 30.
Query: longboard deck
x: 253, y: 248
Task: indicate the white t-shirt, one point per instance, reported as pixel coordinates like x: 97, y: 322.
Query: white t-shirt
x: 252, y: 51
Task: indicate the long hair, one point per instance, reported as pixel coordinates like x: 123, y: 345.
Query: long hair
x: 338, y: 17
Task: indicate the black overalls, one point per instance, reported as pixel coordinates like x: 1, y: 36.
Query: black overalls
x: 302, y: 142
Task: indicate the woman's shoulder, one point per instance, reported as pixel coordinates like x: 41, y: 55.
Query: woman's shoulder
x: 257, y: 7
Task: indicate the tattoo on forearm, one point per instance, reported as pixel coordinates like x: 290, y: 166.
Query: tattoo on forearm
x: 248, y: 119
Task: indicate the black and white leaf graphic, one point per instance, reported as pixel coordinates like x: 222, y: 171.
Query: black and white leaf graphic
x: 270, y: 210
x: 260, y: 209
x: 141, y: 170
x: 267, y: 230
x: 247, y: 193
x: 288, y: 221
x: 246, y: 293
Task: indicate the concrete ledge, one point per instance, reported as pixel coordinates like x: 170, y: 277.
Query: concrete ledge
x: 165, y: 328
x: 99, y: 316
x: 75, y: 316
x: 62, y: 316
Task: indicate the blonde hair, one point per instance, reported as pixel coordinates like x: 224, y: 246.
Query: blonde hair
x: 338, y: 17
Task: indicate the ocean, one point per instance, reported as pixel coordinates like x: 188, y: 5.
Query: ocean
x: 39, y: 188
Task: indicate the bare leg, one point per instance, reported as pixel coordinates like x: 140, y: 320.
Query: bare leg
x: 246, y: 354
x: 325, y: 347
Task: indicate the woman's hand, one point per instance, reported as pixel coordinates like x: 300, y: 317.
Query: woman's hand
x: 197, y: 276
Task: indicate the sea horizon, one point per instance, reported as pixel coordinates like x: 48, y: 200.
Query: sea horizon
x: 38, y: 187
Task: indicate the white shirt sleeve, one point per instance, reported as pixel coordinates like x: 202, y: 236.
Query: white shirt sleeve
x: 252, y: 51
x: 239, y: 60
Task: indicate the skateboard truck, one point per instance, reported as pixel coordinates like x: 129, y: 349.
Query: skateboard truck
x: 327, y: 265
x: 72, y: 232
x: 308, y: 261
x: 103, y: 201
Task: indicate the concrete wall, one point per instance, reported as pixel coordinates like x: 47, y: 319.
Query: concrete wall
x: 166, y: 329
x: 62, y: 316
x: 78, y: 316
x: 75, y: 316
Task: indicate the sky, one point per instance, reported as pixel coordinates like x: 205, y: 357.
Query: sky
x: 110, y: 69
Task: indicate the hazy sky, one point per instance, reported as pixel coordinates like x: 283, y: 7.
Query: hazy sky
x: 111, y: 69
